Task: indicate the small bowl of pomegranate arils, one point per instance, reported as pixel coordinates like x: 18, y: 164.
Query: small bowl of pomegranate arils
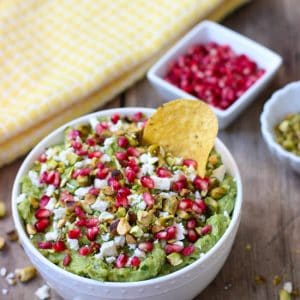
x: 217, y: 65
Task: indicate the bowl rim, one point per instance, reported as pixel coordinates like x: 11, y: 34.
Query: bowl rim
x: 187, y: 38
x: 276, y: 99
x: 123, y: 111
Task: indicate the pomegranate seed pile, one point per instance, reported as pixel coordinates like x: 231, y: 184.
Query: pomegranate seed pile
x: 103, y: 206
x: 214, y: 73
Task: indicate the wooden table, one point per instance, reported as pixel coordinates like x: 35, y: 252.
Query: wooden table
x: 271, y: 211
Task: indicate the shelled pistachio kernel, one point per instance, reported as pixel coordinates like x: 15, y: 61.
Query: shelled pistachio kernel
x: 2, y: 209
x: 26, y: 274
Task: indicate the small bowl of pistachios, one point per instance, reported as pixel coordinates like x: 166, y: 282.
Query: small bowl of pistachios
x: 280, y: 125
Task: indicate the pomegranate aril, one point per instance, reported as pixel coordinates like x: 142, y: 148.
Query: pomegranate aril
x: 59, y: 246
x: 170, y: 248
x: 121, y: 200
x: 115, y: 118
x: 196, y: 208
x: 81, y: 222
x: 73, y: 134
x: 131, y: 151
x: 132, y: 163
x: 45, y: 245
x: 206, y: 229
x: 185, y: 204
x: 147, y: 182
x: 43, y: 213
x: 191, y: 224
x: 192, y: 235
x: 188, y: 250
x: 84, y: 251
x: 122, y: 141
x: 91, y: 141
x: 42, y: 224
x: 201, y: 204
x: 67, y: 260
x: 135, y: 261
x: 42, y: 158
x: 137, y: 117
x: 96, y: 154
x: 121, y: 260
x: 121, y: 155
x: 171, y: 232
x: 79, y: 212
x: 91, y: 233
x: 102, y: 173
x: 130, y: 175
x: 74, y: 233
x: 114, y: 183
x: 94, y: 191
x: 146, y: 246
x: 76, y: 145
x: 162, y: 235
x: 44, y: 201
x: 163, y: 172
x: 91, y: 222
x: 149, y: 199
x: 190, y: 163
x: 201, y: 183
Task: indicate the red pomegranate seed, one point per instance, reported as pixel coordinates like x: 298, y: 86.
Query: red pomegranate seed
x: 79, y: 212
x: 94, y: 246
x: 146, y: 246
x: 121, y: 260
x: 44, y: 201
x: 114, y: 183
x: 91, y: 222
x: 121, y: 200
x: 74, y: 233
x: 102, y: 173
x: 191, y: 223
x: 188, y: 250
x: 90, y: 141
x: 201, y: 183
x: 201, y: 204
x: 56, y: 180
x: 42, y: 213
x: 162, y: 235
x: 42, y: 158
x: 96, y: 154
x: 192, y: 235
x: 84, y: 251
x: 45, y: 245
x: 206, y: 229
x: 130, y: 175
x: 147, y: 182
x: 81, y: 222
x: 163, y: 172
x: 101, y: 127
x: 171, y: 232
x: 177, y: 186
x: 137, y: 117
x: 94, y: 191
x: 121, y: 155
x: 115, y: 118
x: 170, y: 248
x: 65, y: 196
x: 91, y: 233
x: 76, y: 145
x: 149, y: 199
x: 81, y: 152
x: 67, y: 260
x: 124, y: 191
x: 132, y: 163
x: 81, y: 172
x: 131, y: 151
x: 59, y: 246
x: 196, y: 208
x: 185, y: 204
x: 73, y: 134
x: 190, y: 163
x: 42, y: 224
x: 135, y: 261
x: 122, y: 141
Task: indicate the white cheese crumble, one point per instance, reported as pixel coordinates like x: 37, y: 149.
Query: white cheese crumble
x: 180, y: 231
x: 104, y: 216
x: 107, y: 249
x: 148, y: 159
x: 119, y: 240
x: 132, y: 246
x: 51, y: 235
x: 50, y: 190
x: 59, y: 213
x: 44, y: 167
x: 50, y: 153
x: 139, y: 253
x: 82, y: 191
x: 42, y: 292
x: 51, y: 204
x: 219, y: 173
x: 115, y: 127
x: 161, y: 183
x: 110, y: 259
x: 108, y: 142
x: 100, y: 183
x: 137, y: 201
x: 94, y: 122
x: 105, y: 237
x: 34, y: 178
x: 21, y: 198
x: 100, y: 205
x: 105, y: 158
x: 73, y: 244
x: 146, y: 169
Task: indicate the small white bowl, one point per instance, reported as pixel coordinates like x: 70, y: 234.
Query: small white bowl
x: 212, y: 32
x: 184, y: 284
x: 284, y: 101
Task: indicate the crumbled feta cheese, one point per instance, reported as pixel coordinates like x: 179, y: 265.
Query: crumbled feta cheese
x: 140, y: 125
x: 104, y: 216
x: 51, y: 235
x: 94, y: 122
x: 219, y: 173
x: 50, y: 153
x: 119, y: 240
x: 179, y: 243
x: 163, y: 214
x: 115, y: 127
x: 161, y: 183
x: 3, y: 271
x: 79, y: 164
x: 44, y: 168
x: 62, y: 156
x: 108, y: 142
x: 10, y: 278
x: 73, y: 244
x: 51, y: 204
x: 105, y: 237
x: 100, y: 205
x: 34, y: 178
x: 146, y: 169
x: 100, y: 183
x: 50, y: 190
x: 139, y: 253
x: 191, y: 174
x: 132, y: 246
x: 105, y: 158
x: 180, y: 231
x: 21, y: 198
x: 82, y: 191
x: 197, y: 195
x: 288, y: 287
x: 110, y: 259
x: 59, y: 213
x: 148, y: 159
x: 107, y: 249
x: 137, y: 201
x: 42, y: 292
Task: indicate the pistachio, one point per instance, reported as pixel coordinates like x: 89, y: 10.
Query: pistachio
x: 30, y: 229
x: 33, y: 202
x: 123, y: 226
x: 2, y: 243
x: 144, y: 217
x: 121, y: 212
x: 26, y: 274
x: 2, y: 209
x: 61, y: 223
x: 218, y: 192
x: 184, y: 192
x: 170, y: 205
x: 156, y: 228
x: 83, y: 180
x: 213, y: 159
x: 137, y: 231
x: 12, y: 235
x: 153, y: 149
x: 174, y: 259
x: 166, y: 221
x: 212, y: 204
x: 130, y: 239
x: 89, y: 199
x: 108, y: 191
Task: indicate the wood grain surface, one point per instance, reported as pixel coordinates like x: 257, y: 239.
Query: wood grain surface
x: 271, y: 212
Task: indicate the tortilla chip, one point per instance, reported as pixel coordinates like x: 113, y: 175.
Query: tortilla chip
x: 186, y: 128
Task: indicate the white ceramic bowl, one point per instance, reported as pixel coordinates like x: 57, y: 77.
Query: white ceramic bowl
x: 212, y: 32
x: 183, y: 284
x: 282, y: 102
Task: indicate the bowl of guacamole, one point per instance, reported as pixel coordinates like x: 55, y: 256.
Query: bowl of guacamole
x: 101, y: 214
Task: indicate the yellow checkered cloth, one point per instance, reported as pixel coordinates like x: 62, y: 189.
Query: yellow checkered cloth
x: 61, y: 59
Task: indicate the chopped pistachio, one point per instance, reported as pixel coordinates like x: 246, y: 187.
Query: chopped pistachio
x: 108, y: 191
x: 83, y: 180
x: 174, y: 259
x: 30, y: 229
x: 166, y: 221
x: 123, y: 227
x: 2, y: 209
x: 137, y: 231
x: 130, y: 239
x: 144, y: 217
x: 170, y: 205
x: 26, y: 274
x: 121, y: 212
x: 89, y: 199
x: 218, y: 192
x: 212, y: 204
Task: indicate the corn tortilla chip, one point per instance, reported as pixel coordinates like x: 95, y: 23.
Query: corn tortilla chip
x: 186, y: 128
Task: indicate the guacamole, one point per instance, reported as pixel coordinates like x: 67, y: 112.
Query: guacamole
x: 104, y: 206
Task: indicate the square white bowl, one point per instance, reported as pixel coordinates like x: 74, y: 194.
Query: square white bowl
x: 205, y: 32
